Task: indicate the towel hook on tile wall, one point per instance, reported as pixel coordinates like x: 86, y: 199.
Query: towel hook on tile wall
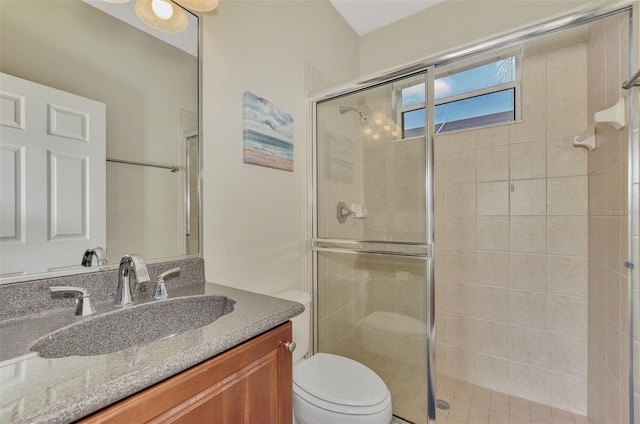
x: 614, y: 116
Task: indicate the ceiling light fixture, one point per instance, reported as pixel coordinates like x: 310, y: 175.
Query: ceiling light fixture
x: 167, y: 15
x: 162, y: 15
x: 198, y: 5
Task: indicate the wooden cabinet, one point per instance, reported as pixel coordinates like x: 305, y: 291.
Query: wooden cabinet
x: 251, y: 383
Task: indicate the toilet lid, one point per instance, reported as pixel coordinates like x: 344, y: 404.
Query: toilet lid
x: 340, y: 381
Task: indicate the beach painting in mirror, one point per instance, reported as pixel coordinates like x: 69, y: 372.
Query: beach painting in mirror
x: 267, y: 134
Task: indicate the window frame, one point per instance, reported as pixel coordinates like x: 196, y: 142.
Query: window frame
x: 454, y: 68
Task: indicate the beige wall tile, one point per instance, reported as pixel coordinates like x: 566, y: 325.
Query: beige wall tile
x: 577, y: 49
x: 568, y: 235
x: 563, y: 159
x: 529, y: 197
x: 492, y: 338
x: 568, y: 315
x: 528, y: 309
x: 493, y: 198
x: 492, y: 268
x: 568, y: 393
x: 459, y: 298
x: 493, y: 163
x: 491, y: 136
x: 407, y: 201
x: 493, y: 373
x: 528, y: 234
x: 534, y: 83
x: 460, y: 140
x: 567, y: 116
x: 528, y: 160
x: 491, y: 303
x: 461, y: 265
x: 461, y: 232
x: 568, y: 195
x: 529, y: 346
x: 568, y: 275
x: 568, y: 354
x: 567, y: 76
x: 533, y: 125
x: 536, y: 59
x: 460, y: 331
x: 493, y: 233
x: 461, y: 199
x: 528, y: 272
x: 529, y: 382
x: 461, y: 166
x: 460, y: 364
x: 612, y: 305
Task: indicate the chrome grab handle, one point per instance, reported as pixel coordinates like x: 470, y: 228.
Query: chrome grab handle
x: 83, y: 301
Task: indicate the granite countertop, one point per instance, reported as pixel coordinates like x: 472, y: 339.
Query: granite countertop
x: 60, y: 390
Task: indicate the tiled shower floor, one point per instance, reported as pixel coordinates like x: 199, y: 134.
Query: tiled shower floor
x: 470, y: 404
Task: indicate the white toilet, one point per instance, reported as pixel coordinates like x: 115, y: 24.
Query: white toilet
x: 329, y: 388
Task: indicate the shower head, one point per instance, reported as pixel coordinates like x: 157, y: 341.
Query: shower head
x: 345, y: 109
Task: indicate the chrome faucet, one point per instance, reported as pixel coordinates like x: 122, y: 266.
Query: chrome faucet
x: 98, y: 252
x: 127, y: 264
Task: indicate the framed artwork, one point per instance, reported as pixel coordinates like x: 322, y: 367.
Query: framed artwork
x: 267, y: 134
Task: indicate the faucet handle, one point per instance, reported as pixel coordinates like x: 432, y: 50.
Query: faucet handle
x: 83, y: 301
x: 161, y: 290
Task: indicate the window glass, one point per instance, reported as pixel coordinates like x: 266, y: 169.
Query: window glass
x: 477, y: 78
x: 486, y: 104
x: 413, y: 123
x: 413, y: 95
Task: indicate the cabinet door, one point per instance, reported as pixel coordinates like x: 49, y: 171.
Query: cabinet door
x: 251, y: 383
x: 249, y: 395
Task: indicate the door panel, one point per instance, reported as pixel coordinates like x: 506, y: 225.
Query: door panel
x: 52, y: 194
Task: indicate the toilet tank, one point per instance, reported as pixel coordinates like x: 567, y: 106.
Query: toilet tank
x: 301, y: 323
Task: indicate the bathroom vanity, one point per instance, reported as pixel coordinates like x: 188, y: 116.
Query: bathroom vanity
x: 250, y: 383
x: 237, y: 367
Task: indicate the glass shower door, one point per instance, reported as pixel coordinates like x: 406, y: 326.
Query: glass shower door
x: 370, y: 236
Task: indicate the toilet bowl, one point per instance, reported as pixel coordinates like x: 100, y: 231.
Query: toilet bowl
x: 329, y: 388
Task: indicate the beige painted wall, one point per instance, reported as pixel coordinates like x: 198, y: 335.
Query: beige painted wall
x: 448, y: 25
x: 254, y: 227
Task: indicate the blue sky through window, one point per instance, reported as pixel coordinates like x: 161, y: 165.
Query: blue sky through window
x: 488, y: 75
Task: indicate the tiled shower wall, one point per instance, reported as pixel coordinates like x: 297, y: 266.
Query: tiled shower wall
x: 511, y: 231
x: 608, y: 243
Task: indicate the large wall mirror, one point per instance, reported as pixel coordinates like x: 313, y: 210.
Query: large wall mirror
x: 99, y: 142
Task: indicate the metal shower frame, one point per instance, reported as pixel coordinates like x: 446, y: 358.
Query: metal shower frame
x: 570, y: 19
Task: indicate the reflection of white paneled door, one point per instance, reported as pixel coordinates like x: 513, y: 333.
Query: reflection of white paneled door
x: 52, y: 176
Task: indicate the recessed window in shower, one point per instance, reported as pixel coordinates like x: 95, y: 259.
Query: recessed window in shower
x: 470, y: 95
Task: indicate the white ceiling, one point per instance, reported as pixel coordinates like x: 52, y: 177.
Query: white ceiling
x: 368, y: 15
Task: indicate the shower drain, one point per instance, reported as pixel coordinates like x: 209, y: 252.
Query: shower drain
x: 442, y: 404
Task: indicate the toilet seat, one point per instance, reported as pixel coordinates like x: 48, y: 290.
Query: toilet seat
x: 340, y: 385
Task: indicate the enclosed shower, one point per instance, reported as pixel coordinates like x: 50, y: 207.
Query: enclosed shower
x: 465, y: 249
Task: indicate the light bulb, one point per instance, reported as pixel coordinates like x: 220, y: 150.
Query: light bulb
x: 367, y: 131
x: 162, y: 9
x: 387, y: 127
x: 376, y: 136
